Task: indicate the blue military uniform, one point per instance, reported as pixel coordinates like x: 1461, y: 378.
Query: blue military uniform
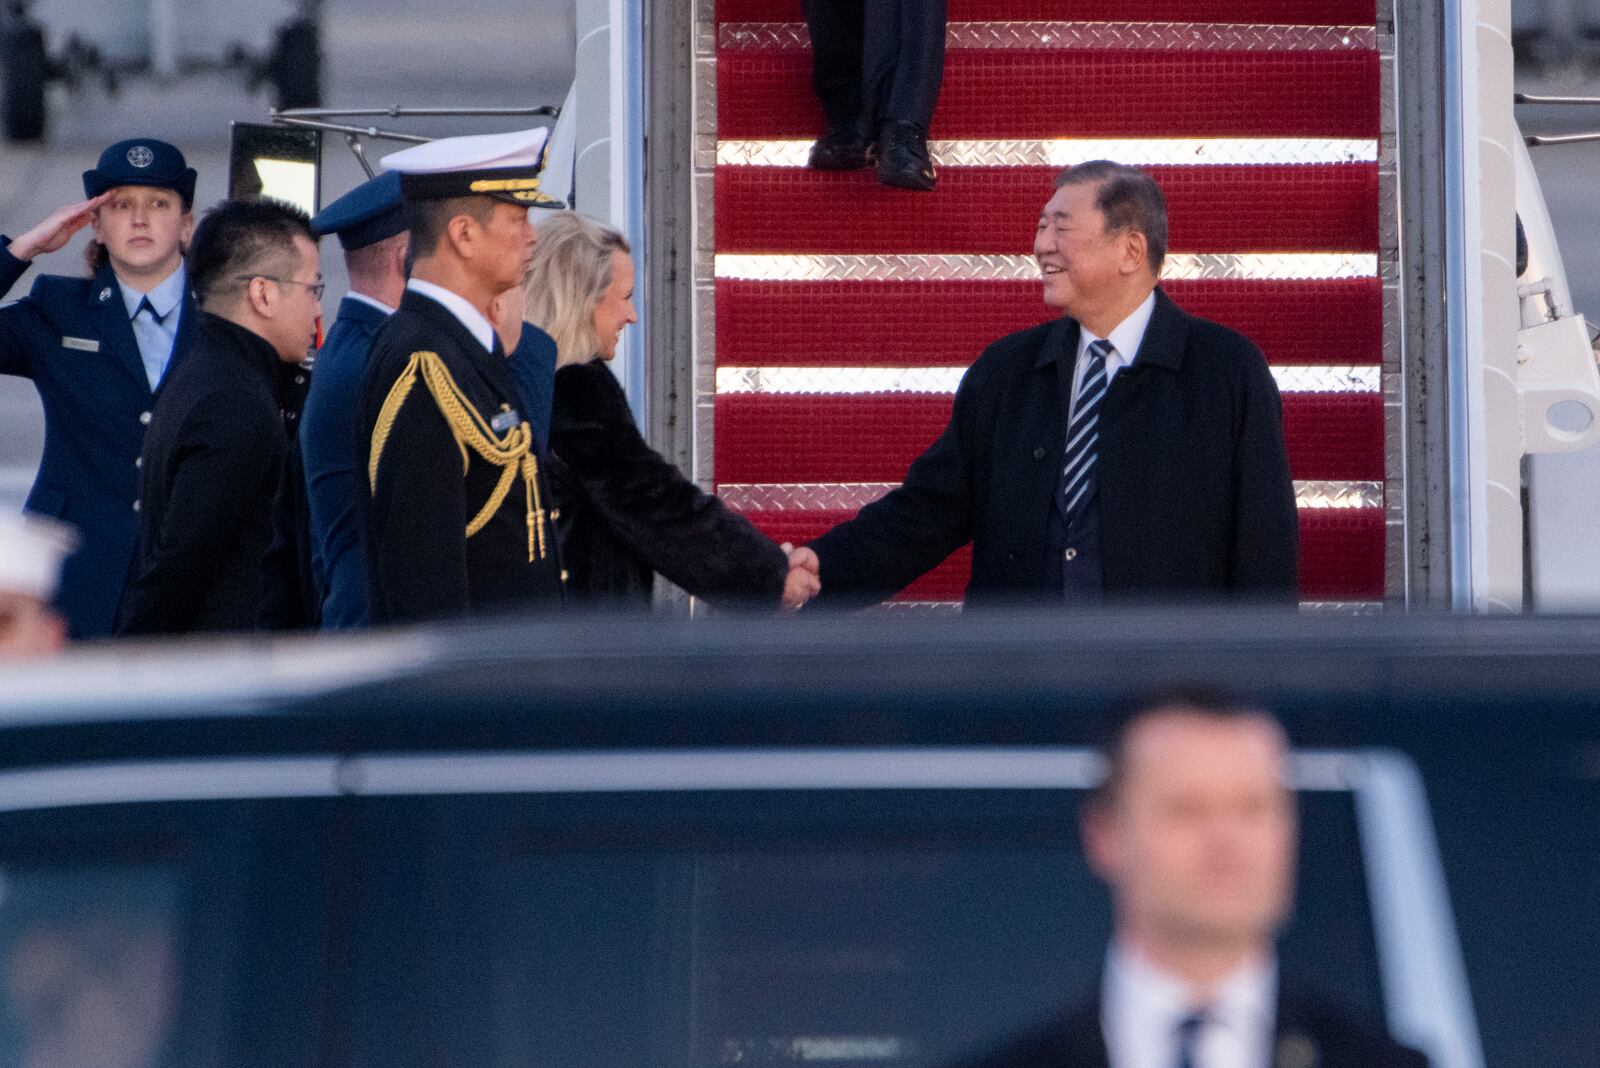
x: 74, y: 339
x: 333, y: 458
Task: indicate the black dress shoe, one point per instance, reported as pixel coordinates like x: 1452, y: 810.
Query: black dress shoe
x: 841, y: 150
x: 903, y: 156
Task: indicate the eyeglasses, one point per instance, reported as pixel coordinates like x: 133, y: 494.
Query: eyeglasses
x: 315, y: 287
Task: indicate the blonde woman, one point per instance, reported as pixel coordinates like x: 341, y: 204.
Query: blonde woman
x: 625, y: 511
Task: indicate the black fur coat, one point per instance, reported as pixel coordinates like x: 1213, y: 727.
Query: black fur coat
x: 626, y: 512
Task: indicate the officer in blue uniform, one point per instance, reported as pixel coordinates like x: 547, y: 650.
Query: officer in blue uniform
x: 97, y: 350
x: 371, y: 225
x: 370, y: 221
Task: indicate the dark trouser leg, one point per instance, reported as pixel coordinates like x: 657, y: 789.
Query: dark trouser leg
x: 836, y: 41
x: 918, y: 66
x: 904, y: 64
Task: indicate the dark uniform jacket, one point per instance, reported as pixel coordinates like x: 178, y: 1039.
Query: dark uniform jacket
x: 73, y: 338
x: 1195, y: 495
x: 626, y: 512
x: 211, y: 467
x: 1309, y: 1034
x: 458, y: 518
x: 334, y: 452
x: 333, y: 455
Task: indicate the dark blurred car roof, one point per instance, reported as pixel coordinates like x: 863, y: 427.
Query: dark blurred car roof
x: 872, y: 679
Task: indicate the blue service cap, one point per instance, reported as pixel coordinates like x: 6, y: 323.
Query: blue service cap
x: 366, y: 215
x: 142, y: 161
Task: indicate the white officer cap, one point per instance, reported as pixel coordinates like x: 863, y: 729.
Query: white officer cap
x: 505, y: 166
x: 31, y: 551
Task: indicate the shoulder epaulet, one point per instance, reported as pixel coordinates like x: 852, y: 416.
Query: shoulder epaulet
x: 58, y: 286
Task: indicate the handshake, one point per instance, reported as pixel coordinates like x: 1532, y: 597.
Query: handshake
x: 805, y: 577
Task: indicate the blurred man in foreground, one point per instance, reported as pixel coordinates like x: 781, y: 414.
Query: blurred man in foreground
x: 1194, y: 831
x: 31, y: 551
x: 215, y: 454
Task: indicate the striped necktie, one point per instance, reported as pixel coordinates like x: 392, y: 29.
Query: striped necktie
x: 1083, y: 434
x: 1189, y: 1039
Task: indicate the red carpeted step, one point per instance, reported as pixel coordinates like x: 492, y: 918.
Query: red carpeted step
x: 1000, y: 94
x: 907, y: 324
x: 1212, y: 209
x: 1341, y: 553
x: 874, y: 437
x: 1300, y: 12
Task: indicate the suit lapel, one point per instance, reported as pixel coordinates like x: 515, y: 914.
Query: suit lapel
x: 1294, y: 1039
x: 1054, y: 368
x: 1084, y: 1039
x: 111, y: 322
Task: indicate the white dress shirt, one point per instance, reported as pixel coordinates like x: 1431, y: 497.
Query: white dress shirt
x: 1125, y: 340
x: 1141, y: 1007
x: 156, y: 338
x: 461, y: 308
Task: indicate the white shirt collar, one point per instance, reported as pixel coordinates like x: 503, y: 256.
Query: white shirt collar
x: 1141, y: 1007
x: 374, y: 301
x: 164, y: 296
x: 461, y: 308
x: 1125, y: 337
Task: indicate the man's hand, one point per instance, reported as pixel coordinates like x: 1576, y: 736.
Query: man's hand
x: 505, y: 312
x: 805, y: 577
x: 57, y: 229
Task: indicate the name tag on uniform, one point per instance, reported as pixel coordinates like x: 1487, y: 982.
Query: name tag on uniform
x: 82, y: 344
x: 506, y: 420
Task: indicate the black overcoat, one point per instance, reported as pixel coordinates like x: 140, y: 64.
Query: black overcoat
x: 1196, y: 499
x: 627, y: 513
x: 209, y: 472
x: 428, y: 486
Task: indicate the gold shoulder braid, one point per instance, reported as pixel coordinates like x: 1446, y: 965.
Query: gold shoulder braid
x: 513, y: 453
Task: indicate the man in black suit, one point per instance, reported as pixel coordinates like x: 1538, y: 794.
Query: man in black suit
x: 1194, y: 831
x: 876, y: 67
x: 458, y: 516
x: 1127, y: 450
x: 215, y: 452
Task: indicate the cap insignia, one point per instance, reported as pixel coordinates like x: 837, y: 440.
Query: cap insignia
x: 140, y: 156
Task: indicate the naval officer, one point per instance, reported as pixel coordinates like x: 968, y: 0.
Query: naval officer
x: 370, y: 222
x: 458, y: 516
x: 97, y: 349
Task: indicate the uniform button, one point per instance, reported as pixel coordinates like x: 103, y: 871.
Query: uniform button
x: 555, y: 515
x: 1038, y: 452
x: 563, y: 575
x: 135, y: 506
x: 1071, y: 554
x: 299, y: 380
x: 144, y: 418
x: 138, y: 461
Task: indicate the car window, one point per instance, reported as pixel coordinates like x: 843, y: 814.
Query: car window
x: 918, y: 928
x: 898, y: 928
